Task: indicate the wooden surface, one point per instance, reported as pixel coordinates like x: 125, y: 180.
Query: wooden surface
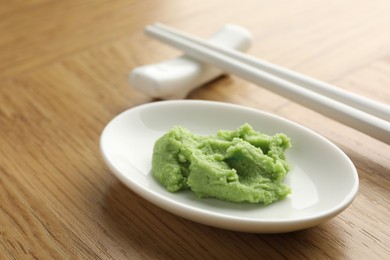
x: 63, y: 76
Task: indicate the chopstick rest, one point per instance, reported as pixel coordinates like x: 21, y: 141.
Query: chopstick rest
x: 175, y: 78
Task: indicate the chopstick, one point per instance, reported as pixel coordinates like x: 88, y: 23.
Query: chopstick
x: 363, y: 114
x: 360, y: 102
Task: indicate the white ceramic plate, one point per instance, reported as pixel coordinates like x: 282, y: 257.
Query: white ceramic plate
x: 323, y: 179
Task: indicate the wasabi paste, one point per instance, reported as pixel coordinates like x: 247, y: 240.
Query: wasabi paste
x: 242, y: 165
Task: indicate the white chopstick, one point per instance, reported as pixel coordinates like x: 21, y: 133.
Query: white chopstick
x: 360, y: 102
x: 274, y: 79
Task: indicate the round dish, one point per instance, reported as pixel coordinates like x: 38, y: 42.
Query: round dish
x: 323, y: 179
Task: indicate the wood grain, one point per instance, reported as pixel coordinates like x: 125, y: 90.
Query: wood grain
x: 63, y: 76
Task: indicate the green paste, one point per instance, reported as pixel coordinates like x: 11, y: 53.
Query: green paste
x: 242, y: 165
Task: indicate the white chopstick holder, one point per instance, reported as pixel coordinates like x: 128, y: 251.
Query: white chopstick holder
x: 175, y: 78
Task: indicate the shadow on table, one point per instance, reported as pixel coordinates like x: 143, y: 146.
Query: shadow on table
x: 143, y: 229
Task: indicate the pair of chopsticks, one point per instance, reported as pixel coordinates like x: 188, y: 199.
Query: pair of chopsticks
x: 363, y: 114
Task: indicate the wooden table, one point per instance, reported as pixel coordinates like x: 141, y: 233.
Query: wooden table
x: 63, y: 77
